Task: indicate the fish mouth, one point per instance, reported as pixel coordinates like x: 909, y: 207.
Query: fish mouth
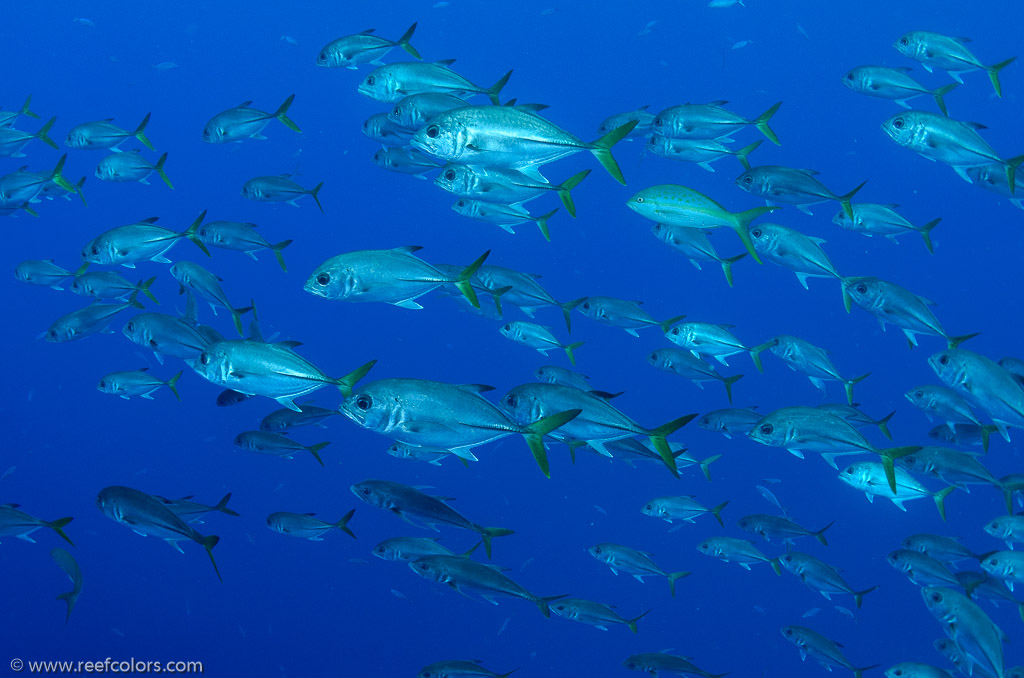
x: 355, y: 414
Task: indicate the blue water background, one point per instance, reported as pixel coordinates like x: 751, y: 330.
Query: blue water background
x: 295, y: 608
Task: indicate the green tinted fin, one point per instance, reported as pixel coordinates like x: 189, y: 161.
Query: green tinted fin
x: 222, y: 506
x: 727, y: 266
x: 728, y: 382
x: 956, y: 341
x: 58, y: 178
x: 58, y: 527
x: 602, y: 149
x: 192, y: 233
x: 761, y: 122
x: 993, y: 75
x: 858, y: 596
x: 705, y: 465
x: 542, y: 223
x: 658, y: 440
x: 343, y: 523
x: 717, y: 512
x: 144, y: 288
x: 403, y: 42
x: 494, y: 90
x: 820, y: 534
x: 667, y: 325
x: 346, y: 383
x: 742, y: 154
x: 42, y: 133
x: 888, y: 456
x: 544, y: 605
x: 281, y: 114
x: 464, y: 281
x: 926, y: 234
x: 566, y: 186
x: 631, y: 623
x: 1011, y: 171
x: 848, y: 384
x: 486, y: 534
x: 172, y: 384
x: 740, y: 223
x: 159, y: 167
x: 673, y: 578
x: 567, y: 307
x: 25, y: 108
x: 883, y: 424
x: 140, y: 134
x: 535, y: 432
x: 208, y: 543
x: 277, y: 253
x: 940, y: 500
x: 844, y: 200
x: 941, y: 92
x: 569, y: 348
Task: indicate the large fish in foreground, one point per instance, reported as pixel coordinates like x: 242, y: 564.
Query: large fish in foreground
x: 987, y: 384
x: 363, y: 48
x: 967, y: 625
x: 138, y: 242
x: 894, y: 84
x: 148, y: 516
x: 17, y: 523
x: 244, y: 122
x: 455, y: 417
x: 870, y: 478
x: 934, y: 50
x: 709, y: 121
x: 393, y: 82
x: 511, y: 138
x: 270, y: 370
x: 105, y: 134
x: 820, y: 648
x: 798, y: 187
x: 411, y: 505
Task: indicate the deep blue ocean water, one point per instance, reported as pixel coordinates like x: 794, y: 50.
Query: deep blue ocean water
x: 289, y: 607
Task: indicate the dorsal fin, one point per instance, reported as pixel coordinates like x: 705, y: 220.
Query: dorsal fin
x: 475, y: 388
x: 288, y: 344
x: 445, y: 62
x: 975, y: 125
x: 367, y: 31
x: 408, y: 249
x: 150, y: 220
x: 245, y: 104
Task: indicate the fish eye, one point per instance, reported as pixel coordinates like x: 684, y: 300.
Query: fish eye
x: 654, y: 356
x: 898, y: 123
x: 370, y: 80
x: 103, y: 383
x: 95, y: 249
x: 862, y: 289
x: 424, y: 567
x: 559, y: 607
x: 993, y: 561
x: 323, y: 279
x: 130, y: 327
x: 918, y: 394
x: 898, y: 672
x: 586, y: 304
x: 757, y: 233
x: 512, y: 400
x: 649, y: 507
x: 788, y: 558
x: 705, y: 420
x: 849, y: 76
x: 639, y: 198
x: 994, y: 526
x: 365, y: 490
x: 323, y: 55
x: 631, y: 666
x: 450, y: 175
x: 748, y: 180
x: 507, y: 328
x: 597, y: 549
x: 904, y: 41
x: 658, y: 122
x: 767, y: 429
x: 461, y: 203
x: 204, y: 358
x: 364, y: 402
x: 433, y: 131
x: 936, y: 597
x: 674, y: 331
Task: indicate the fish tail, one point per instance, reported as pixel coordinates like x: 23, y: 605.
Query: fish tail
x: 957, y: 340
x: 315, y: 451
x: 281, y: 114
x: 236, y: 315
x: 133, y: 300
x: 820, y: 534
x: 343, y: 523
x: 24, y: 110
x: 192, y: 233
x: 58, y: 527
x: 222, y: 505
x: 78, y: 190
x: 667, y: 324
x: 403, y: 42
x: 567, y: 307
x: 883, y: 425
x: 602, y: 149
x: 926, y: 233
x: 315, y: 193
x: 986, y: 435
x: 993, y: 75
x: 576, y: 444
x: 569, y: 348
x: 755, y: 355
x: 159, y: 167
x: 144, y: 286
x: 71, y: 597
x: 488, y: 533
x: 761, y: 122
x: 346, y: 383
x: 728, y: 382
x: 509, y: 673
x: 845, y: 199
x: 727, y: 266
x: 43, y: 136
x: 140, y: 134
x: 535, y: 432
x: 631, y: 623
x: 741, y: 222
x: 277, y: 253
x: 742, y: 154
x: 774, y: 562
x: 497, y: 294
x: 81, y: 269
x: 208, y: 543
x: 705, y: 466
x: 474, y: 547
x: 658, y: 439
x: 1011, y: 171
x: 545, y: 602
x: 58, y: 178
x: 941, y: 92
x: 858, y: 596
x: 673, y: 578
x: 566, y: 186
x: 172, y: 384
x: 940, y: 500
x: 494, y: 90
x: 463, y: 282
x: 889, y: 455
x: 859, y: 672
x: 542, y: 223
x: 848, y: 384
x: 717, y: 512
x: 847, y: 299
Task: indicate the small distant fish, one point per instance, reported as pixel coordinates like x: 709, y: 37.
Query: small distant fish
x: 811, y: 612
x: 548, y: 12
x: 844, y: 611
x: 8, y: 472
x: 802, y: 31
x: 439, y: 5
x: 725, y: 3
x: 760, y: 610
x: 742, y: 43
x: 288, y: 39
x: 646, y: 30
x: 82, y: 21
x: 770, y: 497
x: 398, y: 594
x: 596, y: 507
x: 74, y: 573
x: 504, y: 625
x: 165, y: 66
